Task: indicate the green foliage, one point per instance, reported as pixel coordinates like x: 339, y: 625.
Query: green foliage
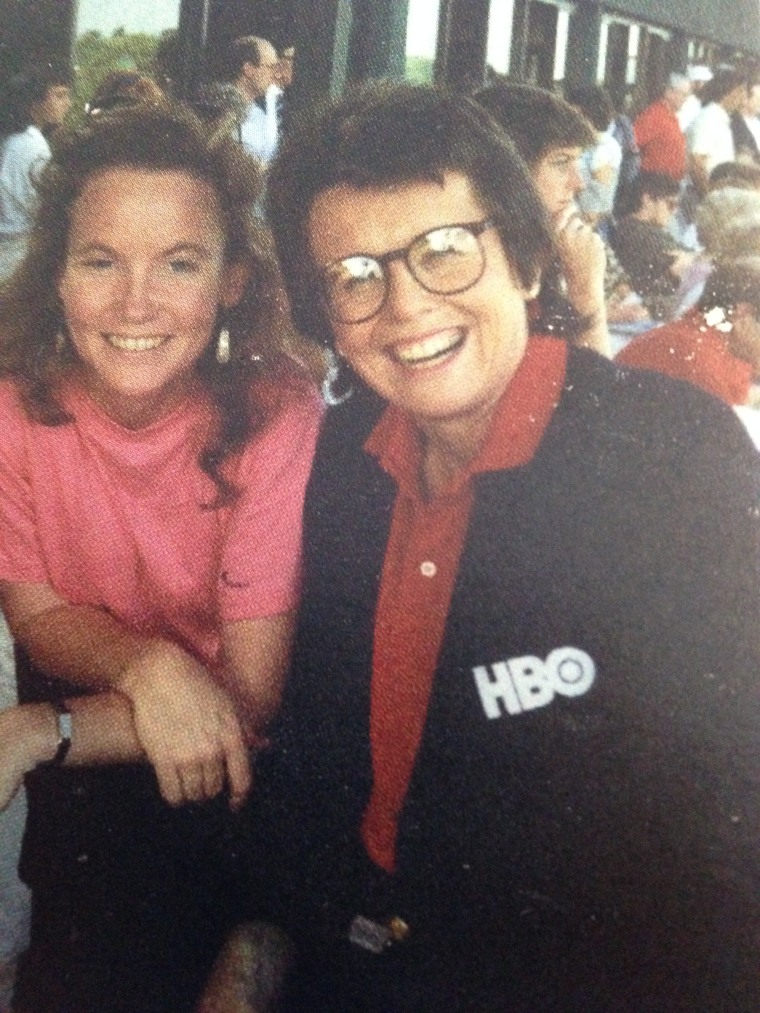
x: 419, y: 69
x: 96, y: 55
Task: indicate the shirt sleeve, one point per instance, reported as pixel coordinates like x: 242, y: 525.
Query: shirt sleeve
x: 20, y: 171
x: 260, y: 568
x: 21, y: 557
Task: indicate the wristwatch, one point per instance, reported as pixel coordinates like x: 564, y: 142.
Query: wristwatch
x: 63, y: 718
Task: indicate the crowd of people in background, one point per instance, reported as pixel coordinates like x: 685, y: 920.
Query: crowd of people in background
x: 645, y: 249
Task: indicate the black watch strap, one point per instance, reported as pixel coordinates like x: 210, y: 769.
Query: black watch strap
x: 63, y: 716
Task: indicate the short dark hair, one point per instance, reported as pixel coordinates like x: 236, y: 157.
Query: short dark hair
x: 725, y: 81
x: 25, y: 89
x: 388, y: 135
x: 742, y: 175
x: 245, y: 49
x: 595, y: 104
x: 150, y: 137
x: 537, y: 120
x: 656, y: 185
x: 123, y: 88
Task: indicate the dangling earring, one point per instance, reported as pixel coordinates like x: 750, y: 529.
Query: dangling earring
x: 336, y: 386
x: 223, y: 346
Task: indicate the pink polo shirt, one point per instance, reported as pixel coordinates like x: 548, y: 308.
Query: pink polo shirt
x: 115, y: 518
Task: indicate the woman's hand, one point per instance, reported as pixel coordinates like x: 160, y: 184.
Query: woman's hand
x: 28, y: 736
x: 581, y: 251
x: 187, y: 725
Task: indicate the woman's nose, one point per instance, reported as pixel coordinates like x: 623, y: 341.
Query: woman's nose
x: 137, y: 302
x: 405, y: 297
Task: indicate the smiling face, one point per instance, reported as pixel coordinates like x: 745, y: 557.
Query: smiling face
x: 141, y: 287
x: 557, y: 179
x: 440, y: 358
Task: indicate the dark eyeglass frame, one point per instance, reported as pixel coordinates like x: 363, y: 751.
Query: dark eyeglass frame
x: 476, y: 229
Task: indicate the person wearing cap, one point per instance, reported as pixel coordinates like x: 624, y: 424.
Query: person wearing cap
x: 698, y: 76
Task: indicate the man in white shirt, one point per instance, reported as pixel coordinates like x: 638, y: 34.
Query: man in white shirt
x: 709, y: 138
x: 698, y: 75
x: 252, y: 66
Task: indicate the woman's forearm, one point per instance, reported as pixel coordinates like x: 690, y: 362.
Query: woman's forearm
x: 102, y: 731
x: 80, y: 644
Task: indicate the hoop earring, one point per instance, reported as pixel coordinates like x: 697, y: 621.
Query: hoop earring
x: 336, y: 386
x: 223, y: 346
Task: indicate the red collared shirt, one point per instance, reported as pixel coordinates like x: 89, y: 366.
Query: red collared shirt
x: 689, y: 349
x: 661, y: 140
x: 420, y: 567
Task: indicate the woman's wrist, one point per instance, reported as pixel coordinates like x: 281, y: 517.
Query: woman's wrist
x: 34, y: 727
x: 154, y: 651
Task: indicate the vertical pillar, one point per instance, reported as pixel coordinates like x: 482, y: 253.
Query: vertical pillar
x: 35, y: 30
x: 462, y: 58
x: 321, y: 36
x: 192, y: 36
x: 520, y: 26
x: 678, y: 52
x: 377, y: 46
x: 583, y: 47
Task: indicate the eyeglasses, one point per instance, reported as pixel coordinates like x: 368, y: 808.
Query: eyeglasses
x: 444, y: 261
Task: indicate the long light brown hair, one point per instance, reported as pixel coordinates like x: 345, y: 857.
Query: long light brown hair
x: 155, y: 137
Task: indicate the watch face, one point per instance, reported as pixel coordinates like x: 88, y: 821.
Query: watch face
x: 64, y: 726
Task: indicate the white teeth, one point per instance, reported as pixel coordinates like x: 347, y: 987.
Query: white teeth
x: 134, y: 344
x: 429, y: 348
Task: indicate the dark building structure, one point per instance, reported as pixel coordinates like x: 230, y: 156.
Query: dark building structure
x: 627, y: 45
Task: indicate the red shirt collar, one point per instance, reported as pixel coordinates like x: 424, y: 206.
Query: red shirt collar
x: 517, y: 427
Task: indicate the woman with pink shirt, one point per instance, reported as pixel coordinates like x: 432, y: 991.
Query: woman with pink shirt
x: 155, y: 453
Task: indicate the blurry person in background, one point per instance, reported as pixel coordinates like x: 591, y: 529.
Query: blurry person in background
x: 34, y: 105
x: 585, y: 288
x: 285, y: 67
x: 550, y: 136
x: 728, y: 226
x: 739, y: 175
x: 745, y: 125
x: 600, y: 163
x: 284, y: 81
x: 659, y: 134
x: 709, y: 138
x: 252, y: 65
x: 698, y: 75
x: 123, y: 88
x: 717, y: 344
x: 654, y: 261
